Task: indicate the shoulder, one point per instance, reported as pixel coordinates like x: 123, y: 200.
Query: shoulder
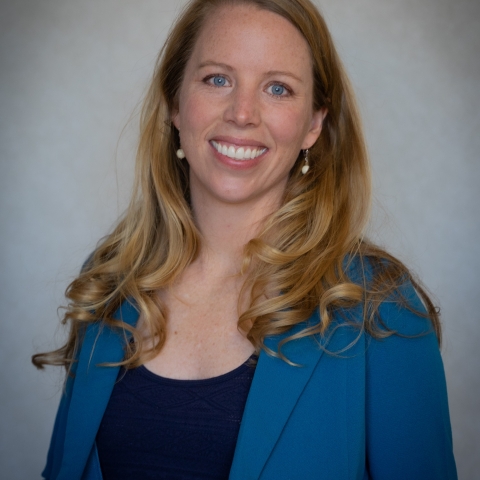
x: 393, y: 301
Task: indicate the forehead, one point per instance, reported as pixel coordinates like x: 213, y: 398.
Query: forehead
x: 246, y: 35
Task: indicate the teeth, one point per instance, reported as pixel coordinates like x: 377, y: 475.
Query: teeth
x: 239, y: 153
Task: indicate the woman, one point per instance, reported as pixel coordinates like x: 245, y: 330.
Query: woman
x: 238, y: 286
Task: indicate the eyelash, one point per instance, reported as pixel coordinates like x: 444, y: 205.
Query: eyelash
x: 209, y: 79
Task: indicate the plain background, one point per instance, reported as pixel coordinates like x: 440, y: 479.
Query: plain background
x: 73, y: 72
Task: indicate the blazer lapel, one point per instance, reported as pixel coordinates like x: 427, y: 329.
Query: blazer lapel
x: 92, y: 387
x: 275, y: 390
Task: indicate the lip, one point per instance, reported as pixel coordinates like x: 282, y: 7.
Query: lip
x: 233, y: 163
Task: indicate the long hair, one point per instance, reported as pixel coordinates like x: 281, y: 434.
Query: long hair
x: 298, y: 262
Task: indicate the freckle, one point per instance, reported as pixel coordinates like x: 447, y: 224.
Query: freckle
x: 175, y: 332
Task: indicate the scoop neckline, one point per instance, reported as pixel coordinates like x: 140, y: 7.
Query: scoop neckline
x: 200, y: 381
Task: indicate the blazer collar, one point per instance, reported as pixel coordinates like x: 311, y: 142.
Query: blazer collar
x: 92, y: 388
x: 275, y: 390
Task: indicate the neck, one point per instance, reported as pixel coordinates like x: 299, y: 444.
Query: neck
x: 226, y: 228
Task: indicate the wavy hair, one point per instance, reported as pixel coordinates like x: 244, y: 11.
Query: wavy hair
x: 302, y: 253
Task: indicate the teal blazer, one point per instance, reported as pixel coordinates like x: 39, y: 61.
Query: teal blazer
x: 364, y: 409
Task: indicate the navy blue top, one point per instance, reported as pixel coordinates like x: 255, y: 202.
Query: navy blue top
x: 162, y: 428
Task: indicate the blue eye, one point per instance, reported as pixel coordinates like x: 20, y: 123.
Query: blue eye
x: 278, y: 89
x: 218, y: 81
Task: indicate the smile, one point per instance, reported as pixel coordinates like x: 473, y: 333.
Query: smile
x: 238, y: 153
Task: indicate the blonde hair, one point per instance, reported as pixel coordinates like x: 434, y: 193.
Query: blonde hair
x: 305, y: 247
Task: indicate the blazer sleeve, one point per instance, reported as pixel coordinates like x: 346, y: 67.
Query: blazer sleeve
x: 55, y: 451
x: 408, y: 426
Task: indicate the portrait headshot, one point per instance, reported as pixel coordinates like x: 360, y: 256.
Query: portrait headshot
x: 239, y: 239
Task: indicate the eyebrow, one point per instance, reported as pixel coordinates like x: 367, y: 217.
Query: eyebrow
x: 211, y: 63
x: 281, y: 72
x: 270, y: 73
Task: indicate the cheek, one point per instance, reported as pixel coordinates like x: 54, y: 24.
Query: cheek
x: 197, y: 116
x: 289, y: 127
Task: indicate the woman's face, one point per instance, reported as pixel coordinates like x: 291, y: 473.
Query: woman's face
x: 245, y: 106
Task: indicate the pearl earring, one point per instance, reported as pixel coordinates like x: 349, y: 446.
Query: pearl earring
x: 306, y: 167
x: 180, y: 153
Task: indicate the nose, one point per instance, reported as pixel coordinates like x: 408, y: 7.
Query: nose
x: 243, y: 108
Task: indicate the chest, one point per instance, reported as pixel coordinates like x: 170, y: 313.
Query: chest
x: 185, y: 429
x: 202, y: 335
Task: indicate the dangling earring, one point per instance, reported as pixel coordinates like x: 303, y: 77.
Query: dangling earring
x: 180, y: 153
x: 306, y: 167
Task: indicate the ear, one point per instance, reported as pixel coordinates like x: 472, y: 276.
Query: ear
x: 315, y: 128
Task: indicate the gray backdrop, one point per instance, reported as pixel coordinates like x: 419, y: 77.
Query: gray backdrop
x: 72, y: 73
